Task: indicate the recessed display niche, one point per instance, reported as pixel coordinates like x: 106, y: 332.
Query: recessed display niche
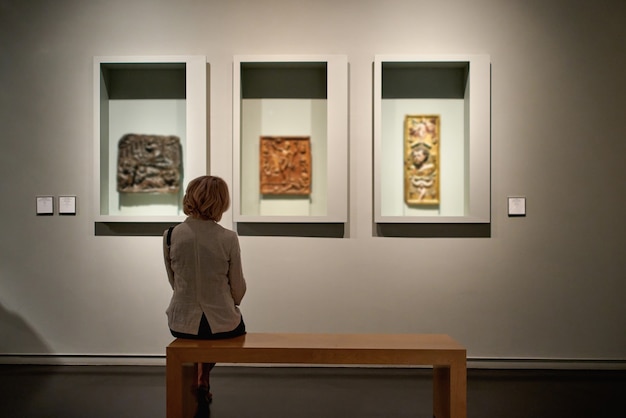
x: 432, y: 139
x: 150, y: 135
x: 290, y: 139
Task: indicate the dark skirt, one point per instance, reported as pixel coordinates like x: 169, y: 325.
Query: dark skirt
x: 205, y: 333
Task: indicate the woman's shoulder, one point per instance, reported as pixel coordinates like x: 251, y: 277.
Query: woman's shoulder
x: 225, y: 232
x: 209, y: 227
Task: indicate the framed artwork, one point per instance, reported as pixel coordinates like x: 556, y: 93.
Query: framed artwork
x: 425, y: 172
x: 421, y: 159
x: 285, y: 165
x: 290, y: 150
x: 149, y: 136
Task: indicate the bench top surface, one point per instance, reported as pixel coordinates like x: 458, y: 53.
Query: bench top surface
x: 326, y: 341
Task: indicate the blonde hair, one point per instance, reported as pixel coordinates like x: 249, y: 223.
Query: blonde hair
x: 206, y: 198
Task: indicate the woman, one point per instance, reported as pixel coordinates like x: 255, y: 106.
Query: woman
x: 203, y: 266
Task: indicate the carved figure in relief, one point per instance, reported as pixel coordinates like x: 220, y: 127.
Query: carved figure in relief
x: 421, y: 162
x: 149, y: 164
x: 285, y: 165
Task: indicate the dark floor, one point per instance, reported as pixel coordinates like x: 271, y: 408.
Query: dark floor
x: 241, y: 392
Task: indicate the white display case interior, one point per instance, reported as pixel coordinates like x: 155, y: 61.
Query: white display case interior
x: 158, y: 106
x: 451, y: 94
x: 289, y: 112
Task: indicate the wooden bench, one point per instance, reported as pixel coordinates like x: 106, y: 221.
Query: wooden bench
x: 445, y: 355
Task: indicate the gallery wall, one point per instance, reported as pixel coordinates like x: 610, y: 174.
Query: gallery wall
x: 549, y: 286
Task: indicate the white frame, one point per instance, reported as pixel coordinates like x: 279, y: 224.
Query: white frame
x: 478, y: 106
x: 337, y: 139
x: 194, y: 160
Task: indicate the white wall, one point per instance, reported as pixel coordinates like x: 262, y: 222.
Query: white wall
x: 547, y: 286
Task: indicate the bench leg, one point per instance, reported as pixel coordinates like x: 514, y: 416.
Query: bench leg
x: 441, y: 392
x: 174, y: 387
x: 450, y: 391
x: 190, y: 379
x: 180, y: 379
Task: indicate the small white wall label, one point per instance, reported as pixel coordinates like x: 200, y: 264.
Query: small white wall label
x: 517, y: 206
x: 67, y: 205
x: 45, y: 205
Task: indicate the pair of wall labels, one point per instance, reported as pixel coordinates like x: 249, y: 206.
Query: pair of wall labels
x: 45, y: 205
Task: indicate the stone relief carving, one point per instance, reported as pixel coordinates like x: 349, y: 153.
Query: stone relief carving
x: 149, y: 164
x: 285, y: 165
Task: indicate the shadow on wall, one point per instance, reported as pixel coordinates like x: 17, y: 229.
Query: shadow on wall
x: 18, y: 338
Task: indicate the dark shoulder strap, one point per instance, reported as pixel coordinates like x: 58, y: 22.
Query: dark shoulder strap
x: 169, y: 235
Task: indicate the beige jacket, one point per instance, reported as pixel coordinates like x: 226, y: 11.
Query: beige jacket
x: 203, y: 266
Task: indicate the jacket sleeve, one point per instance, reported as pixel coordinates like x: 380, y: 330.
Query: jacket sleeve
x: 235, y: 273
x: 168, y: 261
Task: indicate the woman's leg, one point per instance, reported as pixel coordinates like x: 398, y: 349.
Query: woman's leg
x: 203, y: 370
x: 203, y: 396
x: 204, y: 332
x: 204, y: 374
